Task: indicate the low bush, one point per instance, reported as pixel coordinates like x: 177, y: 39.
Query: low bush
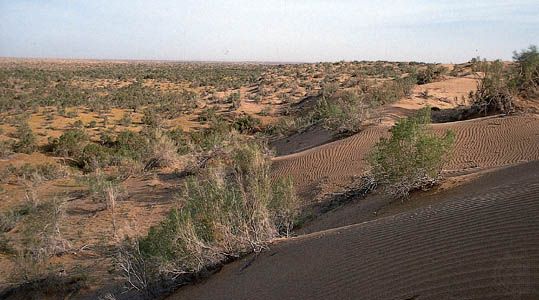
x: 42, y: 240
x: 233, y: 208
x: 412, y: 158
x: 343, y: 113
x: 70, y: 143
x: 246, y: 124
x: 493, y: 94
x: 526, y: 72
x: 26, y: 139
x: 430, y: 74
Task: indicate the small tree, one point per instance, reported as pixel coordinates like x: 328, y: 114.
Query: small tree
x: 526, y: 79
x: 493, y: 94
x: 412, y: 157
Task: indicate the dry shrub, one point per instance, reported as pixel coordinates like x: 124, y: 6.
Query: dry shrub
x: 493, y: 94
x: 42, y: 239
x: 230, y: 208
x: 163, y: 151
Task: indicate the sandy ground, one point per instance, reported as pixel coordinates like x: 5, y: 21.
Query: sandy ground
x: 480, y: 144
x: 482, y: 246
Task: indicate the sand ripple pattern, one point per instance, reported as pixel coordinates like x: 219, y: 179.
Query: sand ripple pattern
x: 483, y: 247
x: 480, y: 143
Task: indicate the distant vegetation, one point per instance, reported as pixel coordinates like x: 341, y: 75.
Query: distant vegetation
x: 227, y: 203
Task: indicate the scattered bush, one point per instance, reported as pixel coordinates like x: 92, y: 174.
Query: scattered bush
x: 343, y: 113
x: 26, y: 142
x: 430, y: 74
x: 227, y: 211
x: 412, y: 158
x: 246, y: 124
x: 42, y: 239
x: 526, y: 74
x: 493, y: 94
x: 70, y: 143
x: 32, y: 173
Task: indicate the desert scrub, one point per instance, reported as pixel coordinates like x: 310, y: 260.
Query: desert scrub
x: 232, y: 208
x: 412, y: 158
x: 526, y: 72
x: 41, y: 240
x: 32, y: 172
x: 430, y: 74
x: 70, y: 143
x: 493, y: 94
x: 246, y: 124
x: 343, y: 113
x: 26, y: 139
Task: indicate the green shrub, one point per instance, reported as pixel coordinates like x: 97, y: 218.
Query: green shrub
x: 246, y: 124
x: 181, y: 139
x: 211, y: 137
x: 6, y: 148
x: 412, y: 158
x: 126, y: 120
x: 94, y: 156
x: 26, y: 139
x: 391, y: 91
x: 151, y: 118
x: 526, y: 74
x: 70, y: 143
x: 208, y: 115
x: 343, y: 113
x: 430, y: 74
x: 34, y: 173
x: 132, y: 145
x: 493, y: 94
x: 229, y: 210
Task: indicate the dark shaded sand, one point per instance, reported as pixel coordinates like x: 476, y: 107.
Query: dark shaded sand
x: 469, y: 245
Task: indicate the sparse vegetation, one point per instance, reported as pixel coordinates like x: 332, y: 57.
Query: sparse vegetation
x: 526, y: 73
x: 26, y: 139
x: 493, y: 94
x: 412, y: 158
x: 430, y: 74
x: 232, y: 208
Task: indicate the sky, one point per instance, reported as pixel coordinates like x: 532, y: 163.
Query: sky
x: 269, y: 31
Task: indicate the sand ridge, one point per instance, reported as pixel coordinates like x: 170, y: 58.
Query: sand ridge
x: 480, y: 143
x: 481, y: 247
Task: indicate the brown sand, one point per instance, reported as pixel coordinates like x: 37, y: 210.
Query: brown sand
x: 465, y: 247
x: 480, y: 144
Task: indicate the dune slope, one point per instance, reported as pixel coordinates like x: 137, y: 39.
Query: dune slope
x: 480, y: 144
x: 484, y: 246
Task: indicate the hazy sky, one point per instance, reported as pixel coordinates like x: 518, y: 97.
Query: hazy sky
x: 252, y: 30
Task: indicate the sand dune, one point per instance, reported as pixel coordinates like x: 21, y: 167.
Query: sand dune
x: 480, y: 143
x: 465, y: 247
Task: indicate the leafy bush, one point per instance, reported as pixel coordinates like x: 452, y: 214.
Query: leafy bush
x: 391, y: 91
x: 70, y: 143
x: 151, y: 118
x: 132, y: 145
x: 246, y: 124
x: 6, y: 148
x: 430, y: 74
x: 26, y: 142
x: 526, y: 77
x: 95, y: 156
x: 229, y: 210
x: 493, y: 94
x: 412, y: 157
x: 343, y: 113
